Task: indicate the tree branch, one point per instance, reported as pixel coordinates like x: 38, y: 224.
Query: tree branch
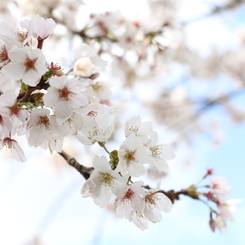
x: 84, y: 171
x: 175, y: 195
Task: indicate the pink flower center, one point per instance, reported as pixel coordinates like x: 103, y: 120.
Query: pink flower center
x: 64, y: 94
x: 21, y: 35
x: 30, y: 64
x: 151, y: 199
x: 129, y: 194
x: 97, y: 86
x: 43, y: 121
x: 106, y: 178
x: 3, y: 54
x: 14, y: 110
x: 130, y: 156
x: 8, y: 142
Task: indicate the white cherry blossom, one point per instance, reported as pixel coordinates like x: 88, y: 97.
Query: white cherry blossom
x: 140, y: 129
x: 228, y: 208
x: 38, y: 27
x: 155, y: 203
x: 132, y: 155
x: 3, y: 54
x: 43, y: 130
x: 83, y: 67
x: 86, y: 57
x: 98, y: 125
x: 28, y: 65
x: 131, y: 200
x: 9, y: 36
x: 64, y: 96
x: 219, y: 223
x: 159, y: 153
x: 220, y: 188
x: 98, y: 129
x: 14, y: 147
x: 5, y: 126
x: 103, y: 182
x: 98, y: 91
x: 12, y: 110
x: 139, y: 220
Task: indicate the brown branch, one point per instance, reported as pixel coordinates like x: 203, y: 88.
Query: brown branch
x: 175, y: 195
x: 41, y: 85
x: 84, y: 171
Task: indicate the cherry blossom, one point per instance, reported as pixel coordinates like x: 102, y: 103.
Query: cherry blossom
x: 12, y: 110
x: 131, y: 200
x: 5, y: 126
x: 98, y: 91
x: 87, y: 60
x: 64, y: 97
x: 98, y: 129
x: 3, y: 54
x: 39, y: 27
x: 132, y: 155
x: 29, y: 65
x: 83, y: 67
x: 219, y: 223
x: 159, y: 153
x: 139, y: 221
x: 9, y: 36
x: 219, y: 187
x: 103, y: 182
x: 140, y: 129
x: 155, y: 202
x: 41, y: 102
x: 98, y: 125
x: 16, y: 150
x: 42, y: 130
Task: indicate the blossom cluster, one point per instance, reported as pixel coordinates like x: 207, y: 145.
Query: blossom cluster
x: 41, y: 102
x: 133, y: 201
x: 215, y: 193
x: 225, y: 208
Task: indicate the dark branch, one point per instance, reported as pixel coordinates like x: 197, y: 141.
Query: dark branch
x: 84, y: 171
x: 41, y: 85
x: 175, y: 195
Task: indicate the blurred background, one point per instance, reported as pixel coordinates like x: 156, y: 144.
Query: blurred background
x: 179, y: 64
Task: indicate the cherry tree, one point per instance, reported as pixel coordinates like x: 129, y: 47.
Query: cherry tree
x: 71, y: 79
